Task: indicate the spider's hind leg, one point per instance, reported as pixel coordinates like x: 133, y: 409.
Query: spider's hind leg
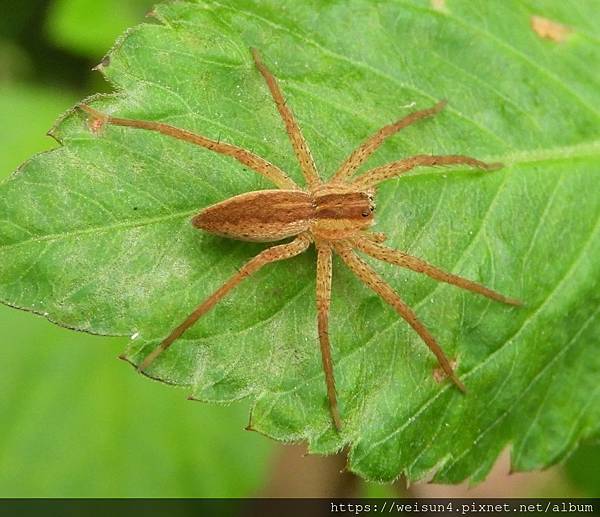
x: 273, y: 254
x: 97, y: 120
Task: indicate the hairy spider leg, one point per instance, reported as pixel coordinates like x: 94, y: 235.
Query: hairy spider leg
x: 299, y: 144
x: 324, y: 254
x: 404, y: 260
x: 369, y: 146
x: 372, y: 279
x: 373, y: 177
x: 374, y: 236
x: 247, y: 158
x: 272, y: 254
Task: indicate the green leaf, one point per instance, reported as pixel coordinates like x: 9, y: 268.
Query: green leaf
x: 76, y: 423
x: 96, y: 234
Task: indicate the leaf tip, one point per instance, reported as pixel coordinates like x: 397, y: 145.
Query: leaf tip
x: 104, y: 64
x: 53, y: 133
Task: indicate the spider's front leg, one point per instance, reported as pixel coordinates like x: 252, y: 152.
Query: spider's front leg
x: 372, y: 279
x: 377, y: 237
x: 367, y: 244
x: 369, y: 146
x: 373, y: 177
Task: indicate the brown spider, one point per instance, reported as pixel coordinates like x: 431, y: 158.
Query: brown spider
x: 334, y: 215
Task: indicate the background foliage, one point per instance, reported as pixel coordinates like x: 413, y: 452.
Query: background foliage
x: 76, y: 421
x: 421, y: 189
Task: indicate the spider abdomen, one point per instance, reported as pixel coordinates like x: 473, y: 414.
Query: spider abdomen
x: 262, y: 216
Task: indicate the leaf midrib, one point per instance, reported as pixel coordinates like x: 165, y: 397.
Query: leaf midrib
x: 420, y: 302
x: 586, y: 150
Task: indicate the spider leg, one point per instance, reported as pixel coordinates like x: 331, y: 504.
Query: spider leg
x: 378, y: 237
x: 375, y: 176
x: 401, y: 259
x: 368, y: 275
x: 299, y: 144
x: 249, y: 159
x: 324, y: 254
x: 369, y: 146
x: 273, y: 254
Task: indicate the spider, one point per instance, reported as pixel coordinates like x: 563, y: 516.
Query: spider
x: 335, y: 216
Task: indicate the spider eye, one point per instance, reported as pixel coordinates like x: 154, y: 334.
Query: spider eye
x: 365, y: 214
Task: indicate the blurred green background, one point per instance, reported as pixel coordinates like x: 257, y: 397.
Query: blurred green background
x: 76, y: 422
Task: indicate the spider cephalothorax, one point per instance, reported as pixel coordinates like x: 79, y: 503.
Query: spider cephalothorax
x: 334, y: 216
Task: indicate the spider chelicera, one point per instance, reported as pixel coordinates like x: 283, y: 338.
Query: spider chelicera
x: 335, y: 216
